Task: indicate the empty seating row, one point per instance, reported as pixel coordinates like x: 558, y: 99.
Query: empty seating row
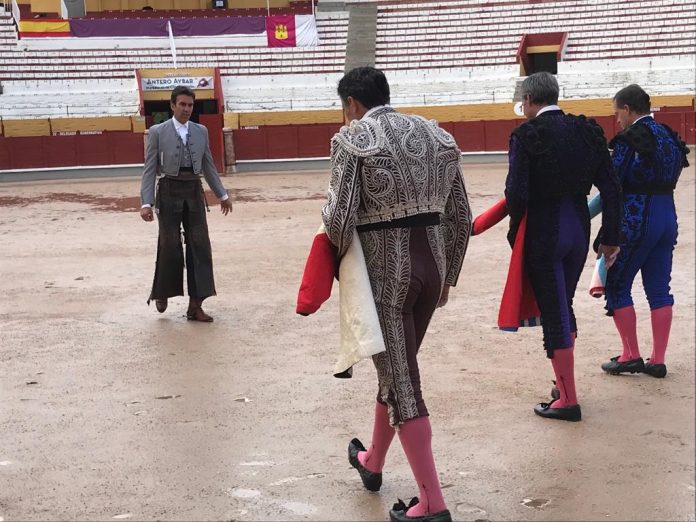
x: 459, y: 33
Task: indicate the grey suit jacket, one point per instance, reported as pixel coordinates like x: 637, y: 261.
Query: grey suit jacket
x: 164, y: 153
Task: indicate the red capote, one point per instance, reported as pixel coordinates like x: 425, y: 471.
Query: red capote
x: 518, y: 306
x: 490, y: 217
x: 318, y: 276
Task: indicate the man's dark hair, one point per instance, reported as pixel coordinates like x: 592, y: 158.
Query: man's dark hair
x: 367, y: 85
x: 635, y: 97
x: 181, y: 90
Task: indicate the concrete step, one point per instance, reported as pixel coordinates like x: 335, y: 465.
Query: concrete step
x: 326, y: 6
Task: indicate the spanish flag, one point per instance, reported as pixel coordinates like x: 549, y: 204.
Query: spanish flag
x: 51, y: 27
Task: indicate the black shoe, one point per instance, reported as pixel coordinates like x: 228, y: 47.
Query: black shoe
x: 371, y: 480
x: 656, y: 370
x: 569, y: 413
x: 398, y: 513
x: 614, y: 367
x: 161, y: 305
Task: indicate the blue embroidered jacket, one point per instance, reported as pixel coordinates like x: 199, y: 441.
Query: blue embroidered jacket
x: 648, y: 157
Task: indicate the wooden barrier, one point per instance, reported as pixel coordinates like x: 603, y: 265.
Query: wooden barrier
x: 454, y: 113
x: 40, y: 143
x: 45, y: 6
x: 258, y: 119
x: 107, y: 148
x: 109, y: 123
x: 28, y: 128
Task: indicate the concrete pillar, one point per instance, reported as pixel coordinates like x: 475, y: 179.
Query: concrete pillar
x: 230, y: 159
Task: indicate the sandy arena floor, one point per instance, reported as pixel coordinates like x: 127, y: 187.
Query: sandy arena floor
x: 109, y: 410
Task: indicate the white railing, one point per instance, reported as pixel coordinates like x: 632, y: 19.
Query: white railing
x: 15, y: 12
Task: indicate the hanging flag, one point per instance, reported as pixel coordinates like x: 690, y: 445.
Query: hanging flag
x: 306, y: 31
x: 171, y: 42
x: 281, y: 31
x: 44, y: 27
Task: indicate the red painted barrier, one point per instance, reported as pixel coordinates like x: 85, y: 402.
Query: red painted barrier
x: 107, y: 148
x: 272, y: 142
x: 213, y: 122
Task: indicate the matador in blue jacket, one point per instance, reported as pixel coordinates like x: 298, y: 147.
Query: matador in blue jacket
x: 648, y: 158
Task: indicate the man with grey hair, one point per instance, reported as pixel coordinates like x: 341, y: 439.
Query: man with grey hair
x: 555, y: 159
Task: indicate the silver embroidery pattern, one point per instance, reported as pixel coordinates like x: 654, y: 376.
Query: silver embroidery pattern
x: 456, y: 228
x: 387, y: 254
x: 436, y: 241
x: 384, y: 167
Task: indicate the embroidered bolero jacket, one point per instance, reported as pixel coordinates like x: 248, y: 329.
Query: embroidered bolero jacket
x: 389, y: 166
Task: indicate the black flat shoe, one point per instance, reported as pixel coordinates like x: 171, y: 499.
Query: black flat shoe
x: 371, y: 480
x: 614, y: 367
x: 656, y: 370
x: 569, y: 413
x: 398, y: 513
x: 161, y: 305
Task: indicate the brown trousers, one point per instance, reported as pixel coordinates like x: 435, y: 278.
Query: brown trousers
x: 405, y: 267
x: 182, y: 203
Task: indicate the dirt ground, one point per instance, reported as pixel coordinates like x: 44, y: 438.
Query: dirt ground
x: 109, y: 410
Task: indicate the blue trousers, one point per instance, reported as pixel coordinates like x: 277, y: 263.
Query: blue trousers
x: 650, y: 234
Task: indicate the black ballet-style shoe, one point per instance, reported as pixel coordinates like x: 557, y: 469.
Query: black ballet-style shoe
x: 615, y: 367
x: 569, y: 413
x: 656, y: 370
x: 398, y: 513
x: 371, y: 480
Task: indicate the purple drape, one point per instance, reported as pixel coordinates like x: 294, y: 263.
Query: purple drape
x: 216, y: 26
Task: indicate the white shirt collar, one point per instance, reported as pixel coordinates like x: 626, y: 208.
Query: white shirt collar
x: 178, y: 125
x: 369, y: 113
x: 548, y: 108
x: 638, y: 119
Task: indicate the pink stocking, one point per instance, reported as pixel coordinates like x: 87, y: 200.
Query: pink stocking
x: 625, y: 321
x: 661, y: 324
x: 564, y: 367
x: 415, y: 436
x: 382, y: 435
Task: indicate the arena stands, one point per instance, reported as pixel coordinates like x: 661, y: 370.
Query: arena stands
x: 458, y: 61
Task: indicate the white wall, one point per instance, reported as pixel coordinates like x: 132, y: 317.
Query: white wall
x: 578, y: 79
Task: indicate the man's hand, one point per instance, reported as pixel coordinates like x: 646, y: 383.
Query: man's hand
x: 444, y: 296
x: 146, y: 214
x: 610, y: 254
x: 226, y: 206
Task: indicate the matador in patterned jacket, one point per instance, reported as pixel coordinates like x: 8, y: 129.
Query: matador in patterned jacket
x: 397, y: 180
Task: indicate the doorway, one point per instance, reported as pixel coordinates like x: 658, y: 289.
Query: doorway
x: 543, y: 62
x: 159, y: 111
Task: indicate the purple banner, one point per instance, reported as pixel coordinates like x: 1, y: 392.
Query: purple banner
x: 216, y: 26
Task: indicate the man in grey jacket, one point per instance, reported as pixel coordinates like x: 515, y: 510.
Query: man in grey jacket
x: 178, y: 151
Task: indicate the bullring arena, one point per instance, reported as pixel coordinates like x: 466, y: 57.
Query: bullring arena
x: 111, y: 411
